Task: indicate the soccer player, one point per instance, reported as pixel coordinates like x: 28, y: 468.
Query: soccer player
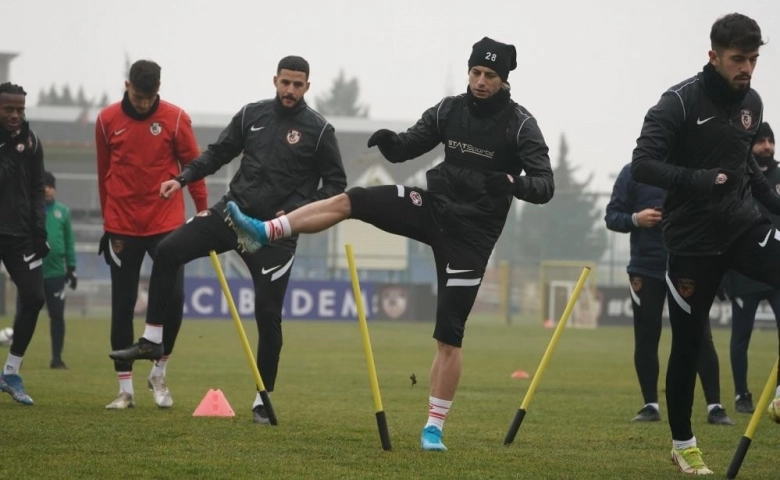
x: 22, y: 227
x: 288, y: 150
x: 488, y: 141
x: 59, y: 268
x: 636, y: 208
x: 746, y: 294
x: 696, y: 144
x: 141, y: 141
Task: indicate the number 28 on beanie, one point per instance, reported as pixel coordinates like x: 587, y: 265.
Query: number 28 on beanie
x: 499, y: 57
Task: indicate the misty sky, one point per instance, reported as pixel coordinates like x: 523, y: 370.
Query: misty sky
x: 588, y: 69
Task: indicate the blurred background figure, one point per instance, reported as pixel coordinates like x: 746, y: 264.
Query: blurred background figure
x: 59, y: 268
x: 746, y: 294
x: 635, y: 208
x: 22, y: 228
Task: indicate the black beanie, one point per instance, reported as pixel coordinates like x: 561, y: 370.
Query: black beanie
x: 48, y: 179
x: 765, y: 131
x: 500, y: 57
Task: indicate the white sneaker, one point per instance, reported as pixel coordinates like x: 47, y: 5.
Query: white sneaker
x: 162, y: 396
x: 123, y: 401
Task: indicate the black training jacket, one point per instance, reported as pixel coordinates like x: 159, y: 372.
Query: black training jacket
x: 285, y: 155
x: 22, y: 204
x: 476, y: 147
x: 693, y: 127
x: 737, y: 284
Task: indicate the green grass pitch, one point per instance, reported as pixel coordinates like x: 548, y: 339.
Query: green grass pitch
x: 577, y: 424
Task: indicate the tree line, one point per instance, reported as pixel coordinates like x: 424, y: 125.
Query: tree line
x: 64, y: 97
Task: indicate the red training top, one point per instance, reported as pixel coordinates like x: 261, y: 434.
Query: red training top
x: 134, y: 156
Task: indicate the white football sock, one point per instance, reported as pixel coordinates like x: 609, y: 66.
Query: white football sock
x: 12, y: 365
x: 159, y: 367
x: 682, y: 445
x: 437, y: 412
x: 125, y: 382
x: 153, y: 333
x: 713, y: 406
x: 278, y: 228
x: 654, y: 405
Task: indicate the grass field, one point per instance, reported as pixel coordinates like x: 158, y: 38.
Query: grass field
x: 577, y: 424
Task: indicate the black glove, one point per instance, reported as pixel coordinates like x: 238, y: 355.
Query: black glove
x: 713, y: 180
x: 103, y: 247
x: 501, y: 184
x: 384, y: 139
x: 71, y: 277
x: 40, y: 246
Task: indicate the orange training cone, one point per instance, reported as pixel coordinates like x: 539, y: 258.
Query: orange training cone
x: 520, y: 374
x: 214, y: 404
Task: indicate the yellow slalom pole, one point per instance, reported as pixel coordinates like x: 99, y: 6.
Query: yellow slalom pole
x: 381, y: 420
x: 242, y: 335
x: 744, y: 443
x: 518, y: 420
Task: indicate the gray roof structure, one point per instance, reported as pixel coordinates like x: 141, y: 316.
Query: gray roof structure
x: 68, y: 134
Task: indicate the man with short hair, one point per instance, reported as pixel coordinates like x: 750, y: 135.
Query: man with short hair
x: 288, y: 149
x: 59, y: 268
x: 489, y: 140
x: 22, y: 227
x: 747, y: 294
x: 696, y: 144
x: 141, y: 141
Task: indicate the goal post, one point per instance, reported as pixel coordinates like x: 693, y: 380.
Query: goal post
x: 557, y: 279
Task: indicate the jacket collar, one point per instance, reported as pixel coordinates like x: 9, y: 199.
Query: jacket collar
x: 718, y: 88
x: 283, y: 111
x: 127, y: 107
x: 485, y: 107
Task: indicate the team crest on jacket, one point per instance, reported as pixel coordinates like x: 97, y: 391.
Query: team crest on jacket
x: 57, y: 214
x: 636, y: 284
x: 117, y: 245
x: 686, y: 287
x: 416, y: 198
x: 293, y: 136
x: 747, y: 118
x: 155, y: 128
